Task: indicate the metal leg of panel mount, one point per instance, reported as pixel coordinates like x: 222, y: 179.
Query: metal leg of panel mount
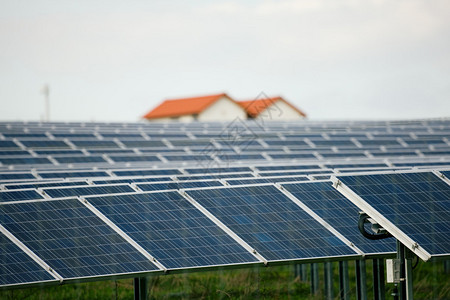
x: 328, y: 279
x: 140, y: 288
x: 378, y: 279
x: 344, y: 285
x: 314, y: 278
x: 361, y: 287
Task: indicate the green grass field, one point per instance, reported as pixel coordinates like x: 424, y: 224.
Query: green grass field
x: 430, y: 282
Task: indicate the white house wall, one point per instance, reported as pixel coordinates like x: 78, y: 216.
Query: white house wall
x: 222, y: 110
x: 279, y: 111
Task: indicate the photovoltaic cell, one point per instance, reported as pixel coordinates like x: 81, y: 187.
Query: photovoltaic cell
x: 45, y: 144
x: 172, y: 230
x: 25, y: 160
x: 271, y: 223
x: 87, y: 190
x: 339, y: 212
x: 218, y: 170
x: 71, y: 239
x: 17, y: 267
x: 7, y: 196
x: 417, y: 203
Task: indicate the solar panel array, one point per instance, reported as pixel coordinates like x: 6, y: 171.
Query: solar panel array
x: 97, y: 200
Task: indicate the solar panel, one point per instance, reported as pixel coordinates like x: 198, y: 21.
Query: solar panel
x: 60, y: 192
x: 339, y: 212
x: 283, y: 167
x: 8, y: 196
x: 176, y: 185
x: 214, y: 176
x: 8, y: 144
x: 243, y: 181
x: 25, y: 160
x: 94, y: 144
x: 172, y: 230
x: 292, y: 156
x: 80, y: 159
x: 12, y: 176
x: 131, y: 158
x: 146, y: 172
x: 35, y: 185
x: 74, y: 174
x: 131, y: 180
x: 14, y: 152
x: 270, y: 222
x: 44, y: 144
x: 217, y: 170
x: 416, y: 203
x: 143, y: 144
x: 17, y: 267
x: 71, y: 239
x: 187, y: 157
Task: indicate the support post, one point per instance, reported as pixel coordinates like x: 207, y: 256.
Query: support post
x: 361, y: 286
x: 401, y: 284
x: 344, y: 285
x: 304, y: 272
x: 378, y: 279
x: 314, y: 278
x: 328, y: 279
x: 300, y: 272
x: 140, y: 288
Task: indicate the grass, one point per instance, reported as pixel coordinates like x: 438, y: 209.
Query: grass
x: 431, y: 281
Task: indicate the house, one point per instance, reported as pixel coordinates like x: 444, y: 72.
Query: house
x: 219, y: 107
x: 276, y: 109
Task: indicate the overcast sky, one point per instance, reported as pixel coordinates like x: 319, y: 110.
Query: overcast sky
x: 334, y: 59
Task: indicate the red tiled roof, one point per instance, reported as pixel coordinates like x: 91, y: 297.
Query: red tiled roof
x: 183, y: 106
x: 255, y: 107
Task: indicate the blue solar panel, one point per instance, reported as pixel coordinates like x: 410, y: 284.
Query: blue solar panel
x: 147, y: 172
x: 339, y: 212
x: 412, y: 163
x: 187, y: 157
x: 45, y: 144
x: 343, y: 154
x: 84, y: 174
x: 356, y: 165
x: 176, y: 185
x: 7, y: 196
x: 8, y: 144
x: 14, y: 153
x: 290, y: 167
x: 87, y: 190
x: 80, y: 159
x: 218, y: 170
x: 301, y: 172
x: 214, y: 176
x: 25, y: 160
x: 132, y: 158
x: 271, y: 223
x: 172, y: 230
x: 417, y: 203
x: 131, y: 180
x: 266, y: 180
x: 95, y: 144
x: 143, y: 144
x: 35, y: 185
x: 292, y: 156
x: 17, y: 267
x: 71, y: 239
x: 53, y: 152
x: 12, y: 176
x: 241, y: 156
